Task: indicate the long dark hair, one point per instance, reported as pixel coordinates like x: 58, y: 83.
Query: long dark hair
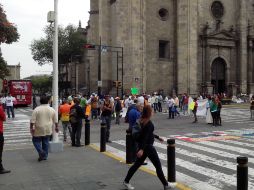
x: 146, y: 114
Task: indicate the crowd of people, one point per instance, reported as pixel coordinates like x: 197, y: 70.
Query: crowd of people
x: 73, y: 110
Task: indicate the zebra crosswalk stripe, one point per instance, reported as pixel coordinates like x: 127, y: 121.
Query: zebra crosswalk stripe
x: 216, y: 179
x: 182, y: 178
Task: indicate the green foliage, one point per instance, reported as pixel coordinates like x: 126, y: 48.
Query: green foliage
x: 70, y: 42
x: 41, y: 84
x: 3, y: 68
x: 8, y: 32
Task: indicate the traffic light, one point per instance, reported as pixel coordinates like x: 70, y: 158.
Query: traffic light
x: 89, y: 46
x: 119, y: 84
x: 115, y: 83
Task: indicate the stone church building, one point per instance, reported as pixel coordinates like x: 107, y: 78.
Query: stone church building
x: 171, y: 46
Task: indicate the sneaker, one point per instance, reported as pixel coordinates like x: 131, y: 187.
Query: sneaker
x: 128, y: 185
x: 4, y: 171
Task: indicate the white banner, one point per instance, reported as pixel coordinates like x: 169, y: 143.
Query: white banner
x: 201, y: 107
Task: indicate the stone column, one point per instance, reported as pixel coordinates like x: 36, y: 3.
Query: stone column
x: 93, y: 37
x: 104, y: 34
x: 187, y: 46
x: 243, y: 45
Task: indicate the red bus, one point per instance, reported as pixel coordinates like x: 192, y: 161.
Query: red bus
x: 21, y: 90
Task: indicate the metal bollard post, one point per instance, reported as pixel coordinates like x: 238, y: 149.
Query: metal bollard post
x: 87, y: 132
x: 171, y: 160
x: 103, y: 138
x: 128, y: 147
x: 242, y: 173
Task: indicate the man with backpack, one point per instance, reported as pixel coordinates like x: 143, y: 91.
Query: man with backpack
x: 76, y: 116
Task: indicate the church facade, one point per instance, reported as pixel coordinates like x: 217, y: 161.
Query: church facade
x: 171, y: 46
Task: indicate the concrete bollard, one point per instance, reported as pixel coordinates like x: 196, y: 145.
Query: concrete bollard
x: 171, y: 160
x: 103, y: 138
x: 128, y: 147
x: 242, y: 173
x: 87, y: 132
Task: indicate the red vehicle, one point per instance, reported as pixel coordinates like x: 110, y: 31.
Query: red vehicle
x: 21, y: 90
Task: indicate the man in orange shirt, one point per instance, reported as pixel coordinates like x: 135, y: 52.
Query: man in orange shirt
x: 64, y: 112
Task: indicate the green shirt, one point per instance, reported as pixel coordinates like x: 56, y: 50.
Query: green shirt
x: 213, y: 107
x: 83, y: 102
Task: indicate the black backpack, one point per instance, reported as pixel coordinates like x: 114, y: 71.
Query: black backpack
x: 73, y: 115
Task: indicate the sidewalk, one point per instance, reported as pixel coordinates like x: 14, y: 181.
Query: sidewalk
x: 75, y: 168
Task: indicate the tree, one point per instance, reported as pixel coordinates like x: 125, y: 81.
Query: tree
x: 3, y: 68
x: 41, y: 84
x: 8, y: 34
x: 70, y: 42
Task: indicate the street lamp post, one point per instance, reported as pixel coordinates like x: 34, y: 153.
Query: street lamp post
x: 55, y: 145
x: 55, y: 65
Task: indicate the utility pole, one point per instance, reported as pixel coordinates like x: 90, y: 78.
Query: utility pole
x: 117, y: 73
x: 55, y: 64
x: 99, y: 69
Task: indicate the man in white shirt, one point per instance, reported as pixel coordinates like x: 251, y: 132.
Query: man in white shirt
x: 9, y: 105
x: 42, y: 120
x: 170, y: 103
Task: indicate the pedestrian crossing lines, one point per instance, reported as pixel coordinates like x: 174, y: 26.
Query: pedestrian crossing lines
x: 204, y: 164
x: 233, y: 115
x: 17, y: 131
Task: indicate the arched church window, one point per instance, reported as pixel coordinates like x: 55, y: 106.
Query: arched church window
x: 217, y: 9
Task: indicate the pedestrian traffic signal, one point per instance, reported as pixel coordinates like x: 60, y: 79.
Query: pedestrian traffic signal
x: 89, y: 46
x: 119, y: 84
x: 115, y: 83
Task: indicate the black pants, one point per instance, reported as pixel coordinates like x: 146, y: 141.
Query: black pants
x: 76, y: 133
x: 215, y: 119
x: 159, y: 107
x: 151, y: 153
x: 1, y: 149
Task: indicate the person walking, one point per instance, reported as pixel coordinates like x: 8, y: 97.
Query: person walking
x: 64, y: 113
x: 170, y: 103
x: 118, y: 109
x: 9, y: 105
x: 76, y: 116
x: 107, y: 108
x: 146, y: 149
x: 133, y: 116
x: 252, y: 108
x: 42, y: 120
x: 2, y: 119
x: 176, y: 105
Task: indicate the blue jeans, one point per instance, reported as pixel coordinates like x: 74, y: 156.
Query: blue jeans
x: 10, y: 108
x: 41, y: 144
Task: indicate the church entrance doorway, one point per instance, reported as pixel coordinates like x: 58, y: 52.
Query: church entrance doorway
x: 218, y: 75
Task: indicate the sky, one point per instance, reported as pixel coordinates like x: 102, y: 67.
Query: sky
x: 30, y: 16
